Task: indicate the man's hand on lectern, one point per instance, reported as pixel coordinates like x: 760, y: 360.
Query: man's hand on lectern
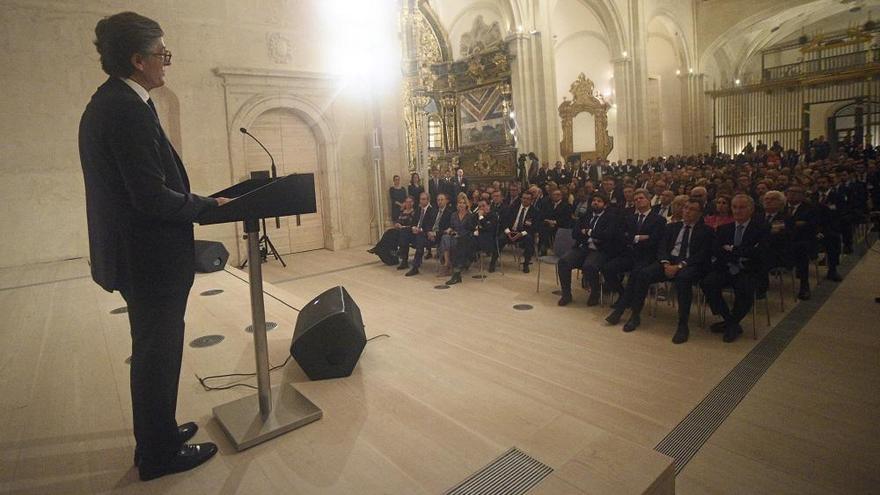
x: 222, y: 201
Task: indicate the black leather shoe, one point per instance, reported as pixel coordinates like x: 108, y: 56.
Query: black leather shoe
x: 456, y: 279
x: 525, y: 268
x: 681, y: 335
x: 718, y: 327
x: 188, y: 457
x: 633, y: 323
x: 804, y: 294
x: 403, y: 266
x: 564, y: 300
x: 593, y: 300
x: 412, y: 271
x: 731, y: 333
x: 185, y: 432
x: 834, y: 276
x: 491, y: 267
x: 371, y: 250
x: 428, y: 255
x: 614, y: 317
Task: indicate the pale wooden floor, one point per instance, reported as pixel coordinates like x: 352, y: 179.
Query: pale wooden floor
x: 462, y: 378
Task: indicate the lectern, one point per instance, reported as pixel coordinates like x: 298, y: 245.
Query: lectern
x: 274, y: 410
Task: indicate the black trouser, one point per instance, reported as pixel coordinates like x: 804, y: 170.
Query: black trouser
x: 831, y: 243
x: 389, y: 241
x: 637, y: 289
x: 588, y: 260
x: 547, y: 235
x: 846, y: 232
x: 527, y: 243
x: 157, y: 326
x: 614, y: 269
x: 407, y: 238
x: 743, y: 284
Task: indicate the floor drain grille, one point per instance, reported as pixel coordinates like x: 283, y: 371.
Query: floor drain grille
x: 513, y: 473
x: 686, y: 439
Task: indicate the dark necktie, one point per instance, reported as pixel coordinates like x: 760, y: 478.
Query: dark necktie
x: 685, y: 242
x: 422, y: 217
x: 738, y: 236
x: 594, y: 220
x: 769, y: 218
x: 641, y: 221
x: 152, y: 107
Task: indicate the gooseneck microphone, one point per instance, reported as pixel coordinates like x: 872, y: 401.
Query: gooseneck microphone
x: 272, y: 168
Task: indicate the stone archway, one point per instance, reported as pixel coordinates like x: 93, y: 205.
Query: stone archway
x: 251, y: 93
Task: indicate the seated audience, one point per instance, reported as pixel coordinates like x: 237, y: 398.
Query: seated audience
x: 683, y: 259
x: 460, y: 229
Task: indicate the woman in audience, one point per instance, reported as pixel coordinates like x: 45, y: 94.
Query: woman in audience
x: 458, y: 239
x: 397, y: 194
x: 385, y: 249
x: 450, y: 235
x: 722, y: 215
x: 415, y: 188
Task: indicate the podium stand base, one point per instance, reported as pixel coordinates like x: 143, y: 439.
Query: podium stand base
x: 243, y: 424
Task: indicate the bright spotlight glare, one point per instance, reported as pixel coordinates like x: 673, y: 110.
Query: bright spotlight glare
x: 361, y: 39
x: 512, y: 114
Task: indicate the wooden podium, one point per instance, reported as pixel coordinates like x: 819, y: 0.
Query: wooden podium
x: 272, y: 411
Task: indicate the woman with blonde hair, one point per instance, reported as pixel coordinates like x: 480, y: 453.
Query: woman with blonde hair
x: 461, y: 225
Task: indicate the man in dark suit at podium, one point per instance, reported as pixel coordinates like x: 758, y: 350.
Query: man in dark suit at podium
x: 140, y: 212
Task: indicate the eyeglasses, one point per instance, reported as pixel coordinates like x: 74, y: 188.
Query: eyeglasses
x: 166, y: 56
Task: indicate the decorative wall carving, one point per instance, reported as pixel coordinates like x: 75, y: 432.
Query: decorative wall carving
x: 280, y: 48
x: 481, y: 38
x: 585, y: 99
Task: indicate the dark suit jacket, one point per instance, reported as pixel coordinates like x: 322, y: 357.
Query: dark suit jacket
x: 458, y: 187
x: 749, y: 253
x: 652, y: 226
x: 428, y: 221
x: 700, y: 245
x: 443, y: 224
x: 561, y: 213
x: 608, y: 234
x: 530, y: 222
x: 434, y: 188
x: 801, y: 232
x: 138, y: 203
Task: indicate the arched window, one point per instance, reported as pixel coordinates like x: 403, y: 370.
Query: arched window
x: 435, y: 133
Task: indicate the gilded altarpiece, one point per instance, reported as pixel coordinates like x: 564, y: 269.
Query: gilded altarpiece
x: 471, y: 97
x: 585, y: 99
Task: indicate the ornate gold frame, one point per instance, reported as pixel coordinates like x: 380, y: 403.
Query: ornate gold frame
x: 585, y: 99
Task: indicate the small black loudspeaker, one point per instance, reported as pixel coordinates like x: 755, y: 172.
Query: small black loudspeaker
x: 329, y: 336
x: 210, y: 256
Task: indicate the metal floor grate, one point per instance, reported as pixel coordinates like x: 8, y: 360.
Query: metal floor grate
x: 513, y: 473
x: 686, y: 439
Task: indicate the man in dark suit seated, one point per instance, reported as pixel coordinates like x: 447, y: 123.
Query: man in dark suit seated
x: 598, y: 239
x: 440, y: 222
x: 416, y: 236
x: 556, y: 215
x: 521, y: 231
x: 140, y: 213
x: 738, y: 263
x: 801, y: 225
x: 644, y: 229
x: 683, y: 259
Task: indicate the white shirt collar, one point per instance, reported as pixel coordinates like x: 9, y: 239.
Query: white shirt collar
x: 143, y: 93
